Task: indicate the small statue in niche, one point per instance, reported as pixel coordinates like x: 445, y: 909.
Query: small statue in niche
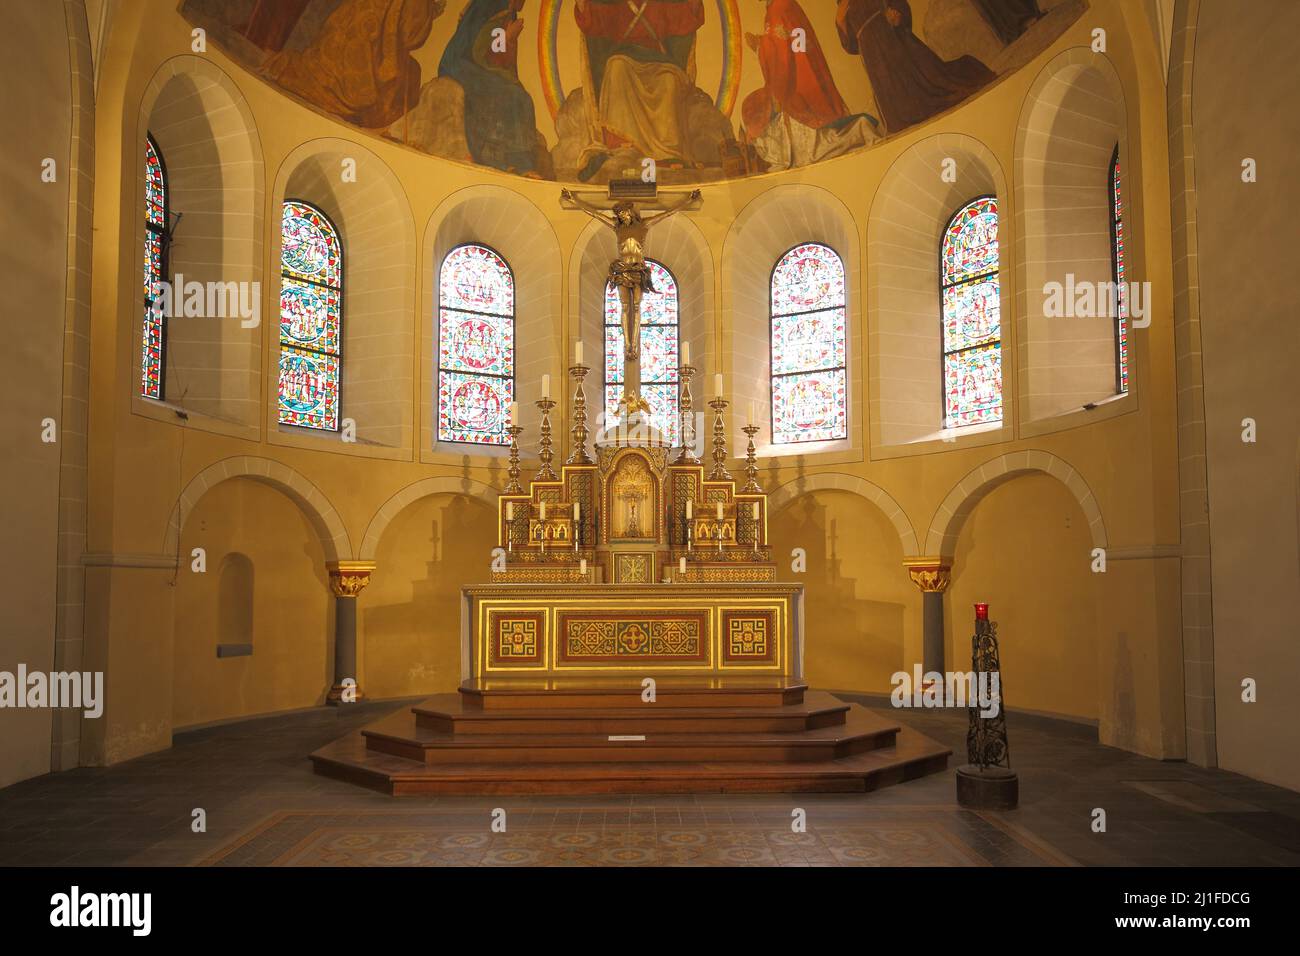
x: 633, y: 490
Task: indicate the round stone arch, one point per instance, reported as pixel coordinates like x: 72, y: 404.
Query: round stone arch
x: 948, y: 519
x: 317, y: 508
x: 514, y: 227
x: 768, y: 227
x: 212, y: 153
x: 922, y: 189
x: 376, y: 228
x: 837, y: 481
x: 410, y: 494
x: 1073, y: 120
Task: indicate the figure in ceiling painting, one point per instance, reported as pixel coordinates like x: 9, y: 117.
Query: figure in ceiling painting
x: 359, y: 66
x: 798, y: 116
x: 619, y: 80
x: 1009, y: 18
x: 910, y: 81
x: 638, y: 68
x: 271, y: 22
x: 482, y: 56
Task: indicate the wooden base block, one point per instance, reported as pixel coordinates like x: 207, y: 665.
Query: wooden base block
x: 994, y: 788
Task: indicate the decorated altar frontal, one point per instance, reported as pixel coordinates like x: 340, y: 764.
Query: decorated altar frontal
x: 607, y: 630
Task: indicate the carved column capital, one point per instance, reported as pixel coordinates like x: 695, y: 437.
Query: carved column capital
x: 930, y: 574
x: 349, y: 578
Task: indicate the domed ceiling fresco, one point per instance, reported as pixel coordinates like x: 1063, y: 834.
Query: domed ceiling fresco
x: 583, y: 91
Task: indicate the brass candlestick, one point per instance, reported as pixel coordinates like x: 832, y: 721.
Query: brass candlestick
x: 579, y: 456
x: 513, y: 487
x: 687, y: 455
x: 751, y: 463
x: 719, y: 472
x: 546, y: 473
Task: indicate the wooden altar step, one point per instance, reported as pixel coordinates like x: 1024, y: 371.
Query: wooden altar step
x: 514, y: 693
x: 402, y: 736
x: 911, y: 756
x: 495, y: 738
x: 454, y: 714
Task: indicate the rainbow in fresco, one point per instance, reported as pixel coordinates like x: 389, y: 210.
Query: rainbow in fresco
x: 548, y: 57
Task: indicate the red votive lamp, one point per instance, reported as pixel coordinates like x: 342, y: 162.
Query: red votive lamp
x: 981, y: 612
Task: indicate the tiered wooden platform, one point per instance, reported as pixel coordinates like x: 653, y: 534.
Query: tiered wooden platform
x: 701, y: 735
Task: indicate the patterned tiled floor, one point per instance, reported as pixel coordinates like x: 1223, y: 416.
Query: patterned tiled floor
x: 835, y: 835
x: 265, y: 807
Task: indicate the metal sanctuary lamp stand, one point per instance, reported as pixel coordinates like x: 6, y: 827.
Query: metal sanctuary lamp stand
x: 987, y: 782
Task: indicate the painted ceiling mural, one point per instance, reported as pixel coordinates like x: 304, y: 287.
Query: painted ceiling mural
x: 582, y: 91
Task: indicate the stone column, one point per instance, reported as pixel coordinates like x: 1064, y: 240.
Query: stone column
x: 931, y: 575
x: 347, y: 580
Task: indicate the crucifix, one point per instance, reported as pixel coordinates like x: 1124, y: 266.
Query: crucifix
x: 629, y: 273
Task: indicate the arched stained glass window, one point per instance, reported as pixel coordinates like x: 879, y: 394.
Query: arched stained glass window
x: 476, y: 346
x: 972, y: 325
x: 809, y: 389
x: 1117, y: 271
x: 660, y: 332
x: 311, y: 317
x: 154, y: 338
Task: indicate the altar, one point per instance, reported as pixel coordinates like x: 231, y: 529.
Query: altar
x: 598, y: 630
x: 631, y: 564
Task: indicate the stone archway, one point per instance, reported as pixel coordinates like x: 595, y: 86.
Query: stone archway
x: 411, y: 493
x: 317, y: 508
x: 837, y: 481
x: 945, y: 526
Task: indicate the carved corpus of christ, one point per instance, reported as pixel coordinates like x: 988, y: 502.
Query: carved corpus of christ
x: 629, y: 273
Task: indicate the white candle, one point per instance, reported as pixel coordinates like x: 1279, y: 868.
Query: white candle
x: 582, y: 566
x: 686, y: 353
x: 577, y: 511
x: 690, y: 508
x: 546, y: 386
x: 577, y: 352
x: 717, y: 384
x: 681, y: 565
x: 752, y: 406
x: 514, y: 413
x: 719, y: 510
x: 755, y: 510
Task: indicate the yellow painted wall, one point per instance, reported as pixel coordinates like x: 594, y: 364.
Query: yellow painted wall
x: 1251, y: 345
x: 410, y: 614
x: 1024, y: 551
x: 36, y: 116
x: 292, y: 661
x: 861, y: 616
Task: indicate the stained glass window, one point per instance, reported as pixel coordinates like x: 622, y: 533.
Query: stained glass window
x: 971, y: 317
x: 311, y: 317
x: 476, y: 346
x: 1117, y: 261
x: 809, y: 390
x: 660, y: 334
x: 154, y: 338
